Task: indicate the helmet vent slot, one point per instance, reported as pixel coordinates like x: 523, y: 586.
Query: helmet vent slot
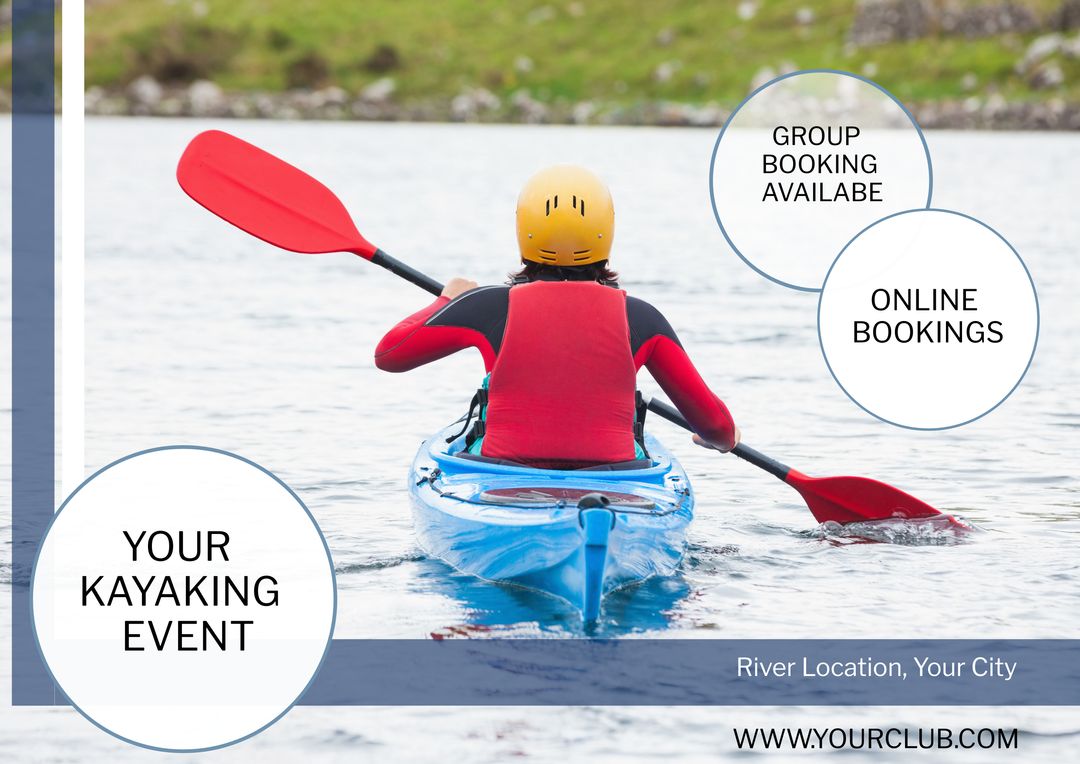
x: 554, y: 231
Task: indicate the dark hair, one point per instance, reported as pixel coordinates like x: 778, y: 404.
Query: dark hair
x: 538, y: 271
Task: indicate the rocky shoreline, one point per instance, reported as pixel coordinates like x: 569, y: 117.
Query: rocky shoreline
x: 1041, y: 64
x: 146, y: 97
x: 1032, y: 91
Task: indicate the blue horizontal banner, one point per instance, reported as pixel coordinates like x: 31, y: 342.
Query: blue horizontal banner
x: 681, y: 672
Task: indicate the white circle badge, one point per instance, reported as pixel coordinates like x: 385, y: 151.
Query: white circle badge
x: 183, y: 598
x: 928, y: 319
x: 808, y: 160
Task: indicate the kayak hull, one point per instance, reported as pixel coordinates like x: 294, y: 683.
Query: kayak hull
x: 524, y: 526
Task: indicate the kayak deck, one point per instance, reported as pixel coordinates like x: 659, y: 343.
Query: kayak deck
x: 547, y: 529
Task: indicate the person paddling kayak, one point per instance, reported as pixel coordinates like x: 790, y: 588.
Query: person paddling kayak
x: 562, y: 343
x: 286, y: 207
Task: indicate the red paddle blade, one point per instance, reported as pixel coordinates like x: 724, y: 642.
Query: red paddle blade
x: 857, y: 499
x: 268, y: 198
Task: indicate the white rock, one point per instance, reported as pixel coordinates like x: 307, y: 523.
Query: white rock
x: 146, y: 91
x: 763, y: 75
x: 746, y: 10
x: 469, y: 104
x: 205, y: 98
x: 264, y: 105
x: 241, y: 108
x: 1043, y: 46
x: 804, y: 16
x: 1071, y: 48
x: 461, y: 108
x: 707, y: 115
x: 583, y: 112
x: 485, y: 99
x: 1046, y: 76
x: 523, y: 64
x: 1040, y: 48
x: 576, y: 9
x: 379, y: 91
x: 665, y: 71
x: 529, y: 108
x: 93, y: 96
x: 333, y: 96
x: 363, y: 110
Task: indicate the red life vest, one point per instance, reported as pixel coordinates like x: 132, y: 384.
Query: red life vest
x: 561, y: 393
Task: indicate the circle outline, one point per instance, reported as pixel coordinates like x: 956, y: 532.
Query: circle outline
x: 770, y: 83
x: 1034, y: 345
x: 318, y: 531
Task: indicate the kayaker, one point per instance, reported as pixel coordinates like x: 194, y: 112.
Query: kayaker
x: 561, y: 343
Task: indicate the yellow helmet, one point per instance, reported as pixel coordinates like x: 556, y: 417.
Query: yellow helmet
x: 565, y: 217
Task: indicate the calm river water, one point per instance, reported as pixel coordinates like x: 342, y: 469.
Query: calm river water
x: 196, y: 333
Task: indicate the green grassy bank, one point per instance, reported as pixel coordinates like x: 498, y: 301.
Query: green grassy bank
x: 614, y: 51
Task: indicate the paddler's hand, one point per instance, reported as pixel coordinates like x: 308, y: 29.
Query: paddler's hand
x: 706, y: 444
x: 457, y: 286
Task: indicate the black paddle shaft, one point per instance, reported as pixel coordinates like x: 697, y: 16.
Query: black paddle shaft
x: 742, y: 450
x: 412, y: 275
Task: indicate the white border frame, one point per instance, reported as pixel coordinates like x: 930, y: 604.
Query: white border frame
x: 72, y: 306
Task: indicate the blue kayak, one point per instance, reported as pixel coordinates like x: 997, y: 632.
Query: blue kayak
x: 575, y: 534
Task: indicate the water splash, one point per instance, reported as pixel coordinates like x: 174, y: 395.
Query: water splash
x: 940, y: 530
x: 378, y: 563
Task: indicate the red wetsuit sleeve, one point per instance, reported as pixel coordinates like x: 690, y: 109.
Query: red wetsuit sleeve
x: 671, y: 367
x: 413, y: 342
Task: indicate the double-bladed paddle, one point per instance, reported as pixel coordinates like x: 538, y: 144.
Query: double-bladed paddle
x: 286, y: 207
x: 830, y: 499
x: 276, y: 202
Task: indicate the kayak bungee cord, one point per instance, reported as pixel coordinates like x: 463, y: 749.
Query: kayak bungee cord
x: 615, y: 508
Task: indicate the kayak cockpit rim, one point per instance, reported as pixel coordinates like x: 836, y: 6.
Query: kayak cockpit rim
x: 443, y: 454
